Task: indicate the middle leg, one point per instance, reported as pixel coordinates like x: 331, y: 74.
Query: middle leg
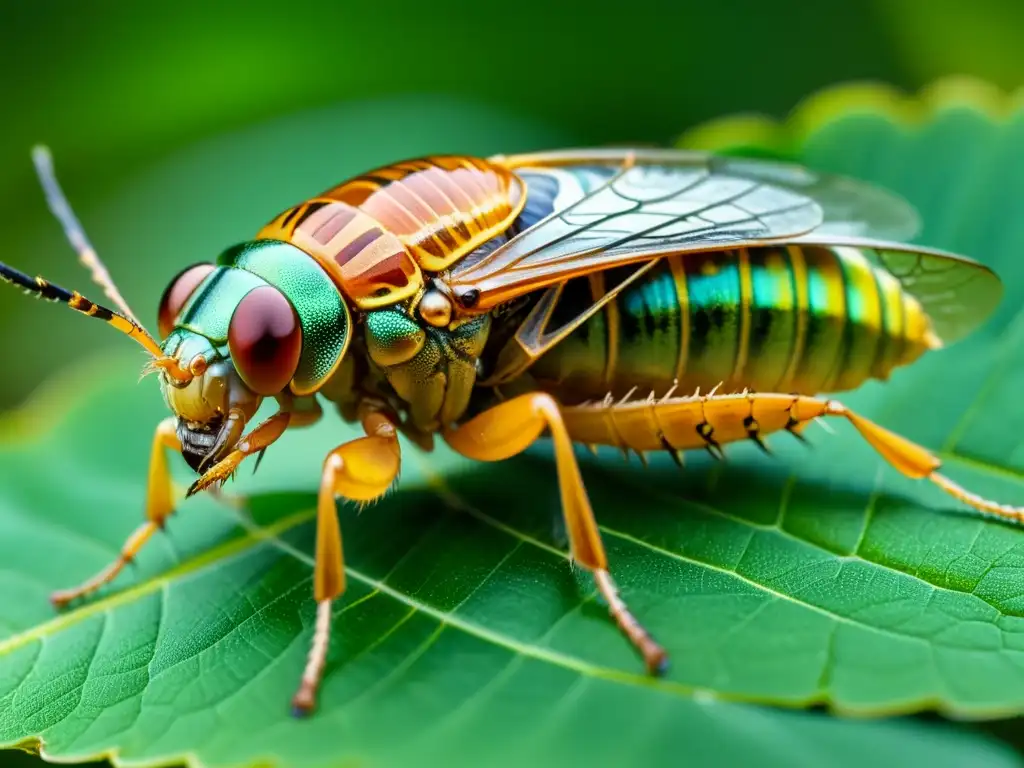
x: 510, y: 428
x: 361, y: 470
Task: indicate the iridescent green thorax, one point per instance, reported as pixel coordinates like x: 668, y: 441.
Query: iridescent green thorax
x: 322, y: 313
x: 432, y: 369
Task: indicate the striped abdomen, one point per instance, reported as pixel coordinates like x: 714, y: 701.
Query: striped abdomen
x: 378, y: 233
x: 774, y: 319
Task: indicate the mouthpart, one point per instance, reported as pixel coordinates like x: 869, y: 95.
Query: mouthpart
x: 198, y: 441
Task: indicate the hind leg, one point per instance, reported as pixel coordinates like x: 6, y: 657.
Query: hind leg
x: 683, y: 423
x: 918, y: 462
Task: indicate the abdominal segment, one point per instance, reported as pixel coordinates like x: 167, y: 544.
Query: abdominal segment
x: 684, y: 423
x: 804, y: 319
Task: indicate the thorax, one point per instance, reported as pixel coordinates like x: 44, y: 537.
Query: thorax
x: 423, y: 373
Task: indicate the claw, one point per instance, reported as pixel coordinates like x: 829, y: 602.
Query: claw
x: 61, y: 599
x: 220, y: 473
x: 259, y: 458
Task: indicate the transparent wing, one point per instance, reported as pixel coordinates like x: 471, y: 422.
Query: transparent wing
x: 656, y: 202
x: 958, y: 294
x: 850, y: 208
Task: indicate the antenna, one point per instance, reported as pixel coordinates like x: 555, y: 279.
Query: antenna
x: 126, y: 322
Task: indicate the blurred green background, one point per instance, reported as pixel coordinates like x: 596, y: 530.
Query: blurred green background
x: 117, y: 87
x: 120, y: 90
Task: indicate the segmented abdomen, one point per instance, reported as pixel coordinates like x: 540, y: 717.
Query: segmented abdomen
x: 772, y: 319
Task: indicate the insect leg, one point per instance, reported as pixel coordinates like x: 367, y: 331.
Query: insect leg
x: 256, y: 441
x: 508, y: 429
x: 918, y: 462
x: 682, y: 423
x: 360, y: 470
x: 159, y: 505
x: 305, y: 411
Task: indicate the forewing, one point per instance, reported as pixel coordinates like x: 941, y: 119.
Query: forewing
x: 958, y: 294
x: 850, y: 208
x: 657, y: 202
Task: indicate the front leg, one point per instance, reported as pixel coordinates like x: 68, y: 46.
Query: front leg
x: 159, y: 505
x: 305, y: 411
x: 261, y: 438
x: 510, y: 428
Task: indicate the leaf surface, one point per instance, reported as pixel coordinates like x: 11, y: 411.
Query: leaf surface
x: 465, y: 636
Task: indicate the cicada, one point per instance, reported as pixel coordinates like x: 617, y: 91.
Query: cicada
x: 644, y: 299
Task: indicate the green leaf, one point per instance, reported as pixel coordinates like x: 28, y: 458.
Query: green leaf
x: 466, y: 637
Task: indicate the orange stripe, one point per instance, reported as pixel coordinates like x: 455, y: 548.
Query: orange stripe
x: 429, y: 243
x: 461, y: 200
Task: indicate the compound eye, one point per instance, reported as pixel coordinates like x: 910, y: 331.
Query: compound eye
x: 177, y: 294
x: 265, y: 340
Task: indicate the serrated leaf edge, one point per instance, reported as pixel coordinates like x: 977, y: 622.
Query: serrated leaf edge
x: 817, y: 110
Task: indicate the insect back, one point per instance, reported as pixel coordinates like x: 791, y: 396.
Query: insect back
x: 263, y: 319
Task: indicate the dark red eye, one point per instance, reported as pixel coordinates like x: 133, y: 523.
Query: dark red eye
x: 178, y: 292
x: 265, y: 340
